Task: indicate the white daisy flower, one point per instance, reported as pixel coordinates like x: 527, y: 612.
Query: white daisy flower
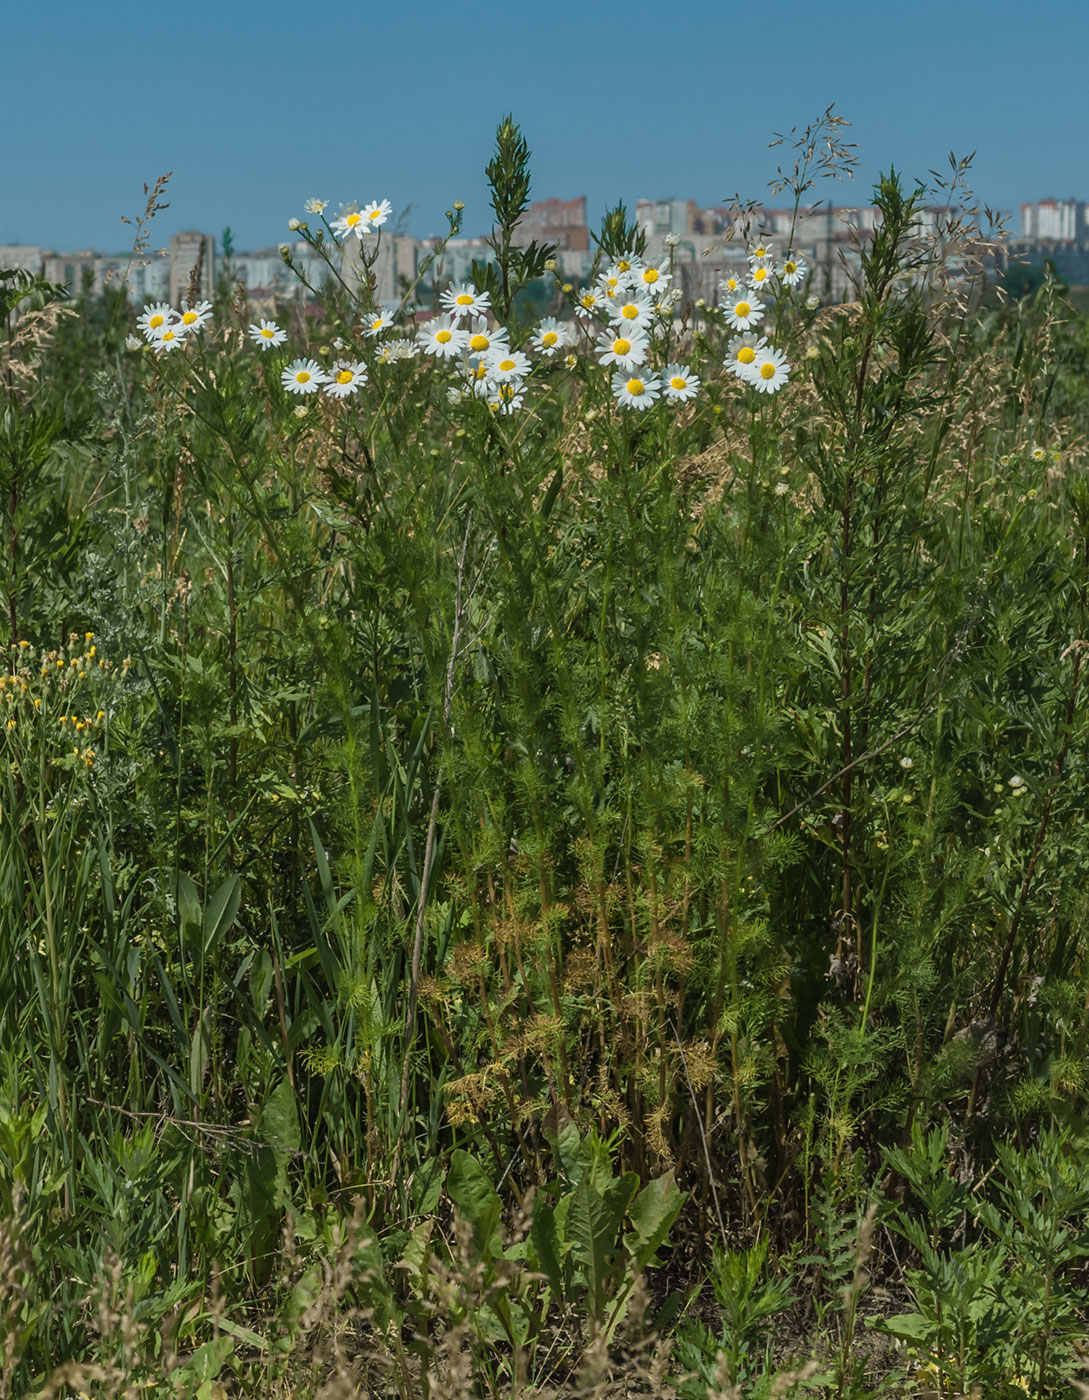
x: 505, y: 365
x: 346, y: 378
x: 761, y: 277
x: 156, y: 318
x: 770, y: 371
x: 551, y: 336
x: 622, y: 347
x: 635, y: 391
x: 399, y: 349
x: 476, y: 377
x: 193, y: 318
x: 133, y: 342
x: 761, y: 251
x: 742, y: 351
x: 613, y: 282
x: 508, y: 397
x: 442, y: 337
x: 267, y: 334
x: 733, y: 284
x: 377, y: 213
x: 375, y: 322
x: 483, y: 338
x: 627, y: 262
x: 633, y: 311
x: 316, y: 206
x: 793, y: 271
x: 653, y: 279
x: 744, y: 313
x: 303, y: 377
x: 168, y: 338
x: 464, y: 300
x: 679, y: 383
x: 589, y: 301
x: 351, y: 221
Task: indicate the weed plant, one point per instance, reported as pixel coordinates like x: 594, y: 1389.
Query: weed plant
x: 648, y: 818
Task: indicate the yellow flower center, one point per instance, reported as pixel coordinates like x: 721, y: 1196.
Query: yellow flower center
x: 506, y: 366
x: 345, y: 376
x: 790, y: 268
x: 677, y: 382
x: 589, y: 299
x: 443, y: 336
x: 506, y: 391
x: 635, y: 386
x: 746, y: 355
x: 629, y: 312
x: 354, y: 219
x: 188, y: 318
x: 651, y: 275
x: 624, y: 265
x: 760, y: 274
x: 169, y: 335
x: 742, y: 309
x: 621, y: 346
x: 375, y: 214
x: 267, y: 332
x: 549, y: 338
x: 767, y: 370
x: 479, y: 342
x: 303, y: 377
x: 761, y: 252
x: 464, y: 299
x: 377, y: 325
x: 480, y: 372
x: 156, y: 322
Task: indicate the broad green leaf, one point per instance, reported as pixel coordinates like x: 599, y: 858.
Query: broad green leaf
x: 652, y: 1214
x: 478, y: 1201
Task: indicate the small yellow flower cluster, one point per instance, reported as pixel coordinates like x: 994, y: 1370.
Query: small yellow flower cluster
x: 46, y: 692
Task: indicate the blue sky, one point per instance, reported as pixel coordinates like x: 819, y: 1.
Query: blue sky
x: 255, y: 107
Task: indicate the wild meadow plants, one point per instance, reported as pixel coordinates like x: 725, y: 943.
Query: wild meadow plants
x: 493, y: 804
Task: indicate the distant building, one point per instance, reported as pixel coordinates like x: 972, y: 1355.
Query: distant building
x: 561, y: 222
x: 1055, y: 221
x: 192, y: 253
x: 25, y: 255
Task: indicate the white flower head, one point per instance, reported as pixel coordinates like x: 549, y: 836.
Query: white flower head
x: 194, y: 318
x: 156, y: 318
x: 623, y: 347
x: 744, y: 313
x: 635, y: 390
x: 303, y: 377
x: 316, y: 206
x: 742, y: 351
x: 168, y: 338
x: 347, y: 377
x: 792, y: 270
x: 1017, y: 781
x: 484, y: 338
x: 508, y: 397
x: 732, y: 285
x: 133, y: 342
x: 375, y: 322
x: 376, y: 213
x: 761, y: 251
x: 633, y: 311
x: 266, y: 334
x: 506, y: 365
x: 679, y: 383
x: 589, y: 301
x: 761, y: 277
x: 551, y: 336
x: 398, y: 349
x: 442, y: 338
x: 907, y: 763
x: 350, y: 221
x: 651, y: 279
x: 463, y: 299
x: 812, y: 302
x: 671, y: 240
x: 770, y: 371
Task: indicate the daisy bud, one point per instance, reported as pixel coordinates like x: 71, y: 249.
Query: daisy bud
x: 811, y: 303
x: 300, y: 411
x: 567, y: 288
x: 550, y: 264
x: 671, y: 240
x: 459, y: 204
x: 294, y: 224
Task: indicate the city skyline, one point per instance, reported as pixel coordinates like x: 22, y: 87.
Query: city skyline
x: 254, y: 114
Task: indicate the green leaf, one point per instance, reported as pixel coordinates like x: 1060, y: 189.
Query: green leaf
x: 221, y: 912
x: 469, y: 1187
x: 654, y: 1211
x: 592, y: 1227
